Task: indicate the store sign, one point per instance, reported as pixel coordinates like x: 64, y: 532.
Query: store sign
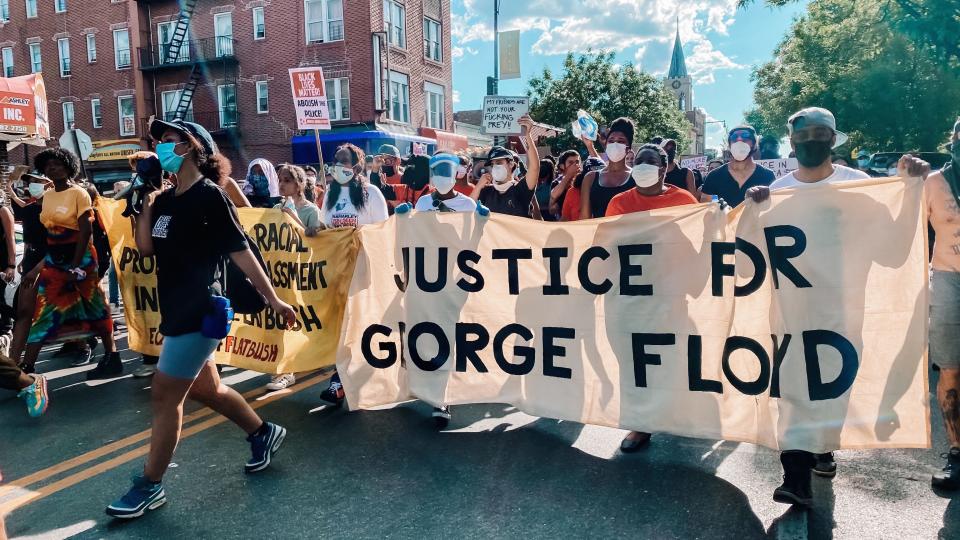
x: 309, y: 98
x: 114, y: 150
x: 23, y: 108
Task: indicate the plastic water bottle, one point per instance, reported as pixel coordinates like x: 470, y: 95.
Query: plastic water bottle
x: 584, y: 125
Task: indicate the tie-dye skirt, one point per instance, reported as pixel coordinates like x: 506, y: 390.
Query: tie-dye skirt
x: 68, y: 309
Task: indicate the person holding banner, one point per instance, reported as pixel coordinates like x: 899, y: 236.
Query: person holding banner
x: 813, y: 135
x: 731, y: 181
x: 942, y: 192
x: 70, y: 303
x: 649, y: 193
x: 350, y: 201
x: 501, y: 189
x: 190, y: 229
x: 600, y: 187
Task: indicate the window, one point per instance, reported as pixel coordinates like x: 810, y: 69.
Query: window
x: 338, y: 98
x: 171, y: 101
x: 60, y: 6
x: 324, y: 20
x: 8, y: 62
x: 121, y: 48
x: 263, y: 99
x: 63, y: 47
x: 259, y: 27
x: 223, y: 30
x: 165, y: 35
x: 31, y: 8
x: 91, y: 48
x: 432, y: 40
x: 127, y: 113
x: 5, y: 10
x: 399, y: 97
x: 36, y: 65
x: 67, y: 116
x: 394, y: 20
x: 96, y: 113
x: 434, y: 96
x: 227, y: 100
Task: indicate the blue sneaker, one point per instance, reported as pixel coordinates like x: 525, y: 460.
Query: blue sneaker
x: 264, y: 446
x: 36, y: 396
x: 144, y: 495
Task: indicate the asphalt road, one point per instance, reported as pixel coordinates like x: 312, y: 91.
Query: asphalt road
x: 495, y: 473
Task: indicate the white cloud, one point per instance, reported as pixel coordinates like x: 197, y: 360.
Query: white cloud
x: 456, y: 97
x: 716, y: 134
x: 456, y: 52
x: 612, y: 25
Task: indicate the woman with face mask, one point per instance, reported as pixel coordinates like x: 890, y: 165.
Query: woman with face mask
x: 463, y: 184
x: 263, y: 186
x: 731, y: 181
x: 681, y: 177
x: 499, y: 189
x: 649, y: 193
x: 190, y: 229
x: 70, y: 303
x: 443, y: 179
x: 600, y: 187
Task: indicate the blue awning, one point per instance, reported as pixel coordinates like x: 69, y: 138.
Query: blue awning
x: 304, y: 147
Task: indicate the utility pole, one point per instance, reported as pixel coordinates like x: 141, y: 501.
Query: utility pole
x: 493, y: 84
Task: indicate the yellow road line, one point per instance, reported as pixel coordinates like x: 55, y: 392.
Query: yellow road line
x: 49, y: 472
x: 99, y: 468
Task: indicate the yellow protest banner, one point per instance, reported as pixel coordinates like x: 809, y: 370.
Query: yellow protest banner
x: 798, y: 323
x: 311, y: 274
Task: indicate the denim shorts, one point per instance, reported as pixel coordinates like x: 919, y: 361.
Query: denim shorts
x: 945, y: 319
x: 184, y: 356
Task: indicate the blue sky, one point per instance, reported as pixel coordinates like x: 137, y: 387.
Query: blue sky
x: 722, y: 44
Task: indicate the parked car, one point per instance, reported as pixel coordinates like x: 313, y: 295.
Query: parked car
x: 885, y: 163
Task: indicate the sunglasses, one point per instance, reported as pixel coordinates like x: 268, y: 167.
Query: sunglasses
x: 741, y: 134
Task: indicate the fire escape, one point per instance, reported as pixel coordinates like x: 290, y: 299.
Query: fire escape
x: 207, y: 63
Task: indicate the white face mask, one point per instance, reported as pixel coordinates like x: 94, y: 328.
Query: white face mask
x: 616, y: 151
x: 645, y: 175
x: 443, y: 183
x: 343, y: 175
x: 461, y: 171
x: 740, y: 150
x: 499, y: 173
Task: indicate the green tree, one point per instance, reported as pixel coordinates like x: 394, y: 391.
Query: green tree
x: 887, y: 92
x: 593, y: 82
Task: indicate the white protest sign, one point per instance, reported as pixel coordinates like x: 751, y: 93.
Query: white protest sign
x: 780, y: 167
x: 500, y: 114
x: 693, y: 162
x: 309, y: 98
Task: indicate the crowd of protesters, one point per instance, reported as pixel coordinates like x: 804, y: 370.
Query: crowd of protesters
x: 183, y: 201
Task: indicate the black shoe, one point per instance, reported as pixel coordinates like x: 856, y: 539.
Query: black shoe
x: 109, y: 367
x: 82, y: 356
x: 826, y: 467
x: 796, y: 487
x: 441, y: 417
x: 92, y: 343
x: 334, y: 393
x: 949, y: 477
x: 635, y: 444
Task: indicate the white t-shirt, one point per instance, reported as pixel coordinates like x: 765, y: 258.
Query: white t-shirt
x: 840, y: 174
x: 459, y: 203
x: 345, y: 214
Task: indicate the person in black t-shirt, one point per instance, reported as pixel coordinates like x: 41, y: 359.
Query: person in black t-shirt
x: 731, y: 181
x: 600, y: 187
x: 190, y: 229
x: 681, y: 177
x: 499, y: 189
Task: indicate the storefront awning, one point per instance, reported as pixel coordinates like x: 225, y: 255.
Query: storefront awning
x: 446, y: 141
x: 305, y: 146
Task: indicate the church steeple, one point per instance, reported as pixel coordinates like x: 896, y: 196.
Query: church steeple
x: 678, y: 64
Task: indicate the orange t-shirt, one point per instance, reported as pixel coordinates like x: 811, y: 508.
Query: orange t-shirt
x: 632, y: 201
x: 571, y: 205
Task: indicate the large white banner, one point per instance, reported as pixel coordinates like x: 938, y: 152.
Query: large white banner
x: 798, y: 323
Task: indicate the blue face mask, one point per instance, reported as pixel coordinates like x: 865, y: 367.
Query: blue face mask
x: 169, y: 160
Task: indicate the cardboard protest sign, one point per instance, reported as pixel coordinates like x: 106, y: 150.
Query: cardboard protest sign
x: 309, y: 98
x: 311, y: 274
x: 780, y: 167
x: 501, y: 114
x: 783, y: 326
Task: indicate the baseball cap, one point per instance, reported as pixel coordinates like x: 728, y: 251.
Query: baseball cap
x: 499, y: 152
x: 742, y: 128
x: 815, y: 116
x: 158, y: 127
x: 389, y: 150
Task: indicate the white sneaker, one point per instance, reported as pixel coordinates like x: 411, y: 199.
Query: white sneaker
x: 279, y: 382
x: 146, y: 370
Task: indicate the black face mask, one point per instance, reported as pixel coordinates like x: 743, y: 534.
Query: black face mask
x: 812, y: 153
x: 388, y: 170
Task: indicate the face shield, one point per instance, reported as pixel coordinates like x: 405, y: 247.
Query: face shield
x: 443, y: 172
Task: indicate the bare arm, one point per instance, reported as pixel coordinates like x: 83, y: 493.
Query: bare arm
x: 13, y: 196
x: 588, y: 181
x: 533, y: 155
x: 251, y: 268
x: 6, y: 218
x: 558, y: 192
x: 591, y: 148
x: 235, y: 194
x: 482, y: 183
x: 692, y: 183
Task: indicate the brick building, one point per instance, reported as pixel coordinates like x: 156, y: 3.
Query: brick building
x: 111, y: 64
